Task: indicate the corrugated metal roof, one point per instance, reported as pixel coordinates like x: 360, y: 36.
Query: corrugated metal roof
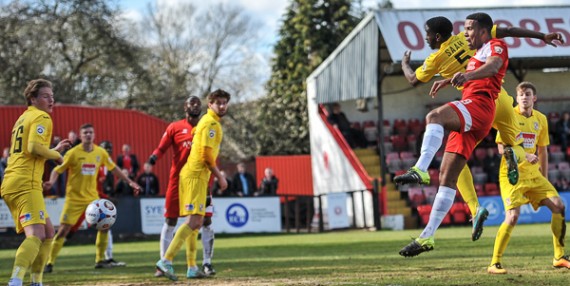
x: 351, y: 71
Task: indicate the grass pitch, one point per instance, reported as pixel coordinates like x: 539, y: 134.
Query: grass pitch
x: 336, y: 258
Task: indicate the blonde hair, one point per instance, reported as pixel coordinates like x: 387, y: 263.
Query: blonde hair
x: 33, y: 88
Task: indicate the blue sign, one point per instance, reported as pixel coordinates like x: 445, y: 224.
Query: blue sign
x: 496, y: 210
x: 237, y: 215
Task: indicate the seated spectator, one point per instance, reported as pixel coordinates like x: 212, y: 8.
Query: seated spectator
x: 354, y: 137
x: 563, y: 131
x: 269, y: 183
x: 148, y: 182
x: 491, y: 164
x: 216, y: 187
x: 243, y: 183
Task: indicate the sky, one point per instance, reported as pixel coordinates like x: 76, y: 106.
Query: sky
x: 268, y: 12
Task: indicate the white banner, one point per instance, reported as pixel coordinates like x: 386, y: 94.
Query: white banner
x: 237, y: 215
x: 231, y: 215
x: 404, y: 29
x: 54, y: 207
x: 337, y: 210
x: 152, y: 215
x: 332, y: 171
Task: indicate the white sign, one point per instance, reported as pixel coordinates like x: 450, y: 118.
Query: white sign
x: 404, y: 29
x: 152, y: 215
x: 238, y: 215
x: 54, y: 207
x: 231, y: 215
x: 337, y: 211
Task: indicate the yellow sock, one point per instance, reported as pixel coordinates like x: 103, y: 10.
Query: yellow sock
x: 501, y: 242
x: 40, y: 262
x: 25, y: 255
x: 558, y: 227
x: 180, y: 236
x: 191, y: 248
x: 56, y: 246
x: 101, y: 245
x: 467, y: 190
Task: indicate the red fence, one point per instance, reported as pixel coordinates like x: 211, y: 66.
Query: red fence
x: 294, y: 173
x: 120, y: 126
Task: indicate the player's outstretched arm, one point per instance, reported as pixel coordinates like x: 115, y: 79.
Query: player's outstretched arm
x: 409, y: 73
x: 516, y: 32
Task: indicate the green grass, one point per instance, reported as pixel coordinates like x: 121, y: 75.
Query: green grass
x: 335, y: 258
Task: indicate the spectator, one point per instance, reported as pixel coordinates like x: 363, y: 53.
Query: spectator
x: 57, y: 189
x: 72, y: 137
x: 123, y: 188
x: 243, y: 183
x: 354, y: 137
x: 269, y: 183
x: 217, y: 192
x: 148, y: 182
x: 108, y: 183
x: 128, y: 161
x: 491, y: 164
x: 563, y: 130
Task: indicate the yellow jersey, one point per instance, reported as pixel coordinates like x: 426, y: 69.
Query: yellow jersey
x: 208, y: 133
x: 534, y: 130
x: 83, y: 168
x: 452, y: 57
x: 24, y: 171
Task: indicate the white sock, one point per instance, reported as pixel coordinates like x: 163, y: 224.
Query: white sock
x: 433, y: 138
x: 109, y: 250
x: 441, y: 206
x: 15, y: 282
x: 166, y: 235
x: 207, y: 244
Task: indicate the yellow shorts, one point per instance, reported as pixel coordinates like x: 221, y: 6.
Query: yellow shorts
x: 192, y: 193
x: 506, y: 120
x: 27, y: 208
x: 531, y: 191
x: 72, y: 212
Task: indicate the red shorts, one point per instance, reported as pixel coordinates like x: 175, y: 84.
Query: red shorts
x: 171, y: 202
x: 476, y: 114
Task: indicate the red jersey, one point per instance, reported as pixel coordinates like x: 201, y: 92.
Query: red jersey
x: 178, y: 134
x: 490, y: 85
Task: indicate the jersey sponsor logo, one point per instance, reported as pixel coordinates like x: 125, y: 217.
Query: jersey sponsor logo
x: 184, y: 131
x: 529, y: 140
x: 212, y: 133
x: 187, y: 144
x: 40, y: 129
x: 25, y: 217
x: 88, y: 169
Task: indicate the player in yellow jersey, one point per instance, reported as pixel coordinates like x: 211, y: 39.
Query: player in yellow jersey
x: 82, y: 163
x: 193, y: 185
x: 451, y: 57
x: 22, y: 185
x: 533, y: 186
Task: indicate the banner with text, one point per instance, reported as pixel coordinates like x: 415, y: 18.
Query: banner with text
x: 496, y: 210
x: 404, y: 29
x: 231, y: 215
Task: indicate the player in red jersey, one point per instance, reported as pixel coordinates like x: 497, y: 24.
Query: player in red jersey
x: 179, y: 135
x: 468, y: 120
